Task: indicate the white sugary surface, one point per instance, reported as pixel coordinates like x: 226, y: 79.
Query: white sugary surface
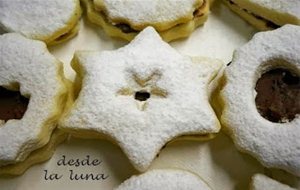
x: 262, y: 182
x: 29, y: 64
x: 291, y: 7
x: 37, y: 19
x: 274, y: 144
x: 141, y: 134
x: 140, y: 12
x: 164, y: 180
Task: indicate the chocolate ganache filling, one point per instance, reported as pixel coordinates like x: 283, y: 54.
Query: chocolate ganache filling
x: 268, y: 23
x: 12, y: 104
x: 278, y: 95
x: 126, y: 28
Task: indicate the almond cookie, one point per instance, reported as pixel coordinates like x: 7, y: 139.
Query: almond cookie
x: 261, y: 98
x: 52, y: 21
x: 142, y: 96
x: 32, y: 96
x: 262, y: 182
x: 125, y: 19
x: 165, y: 179
x: 267, y: 14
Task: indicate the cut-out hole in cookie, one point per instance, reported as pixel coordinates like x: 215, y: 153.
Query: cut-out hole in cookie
x: 12, y: 104
x: 278, y: 95
x: 142, y: 96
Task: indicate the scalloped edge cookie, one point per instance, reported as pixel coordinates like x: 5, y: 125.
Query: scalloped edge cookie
x: 37, y: 156
x: 275, y: 145
x: 266, y: 14
x: 30, y: 56
x: 57, y: 26
x: 176, y: 32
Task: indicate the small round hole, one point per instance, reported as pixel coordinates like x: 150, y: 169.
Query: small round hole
x: 13, y: 104
x: 142, y: 96
x: 278, y: 95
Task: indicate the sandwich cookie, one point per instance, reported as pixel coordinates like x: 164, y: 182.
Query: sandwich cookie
x: 32, y: 96
x: 52, y: 21
x: 142, y: 96
x: 125, y: 19
x: 267, y: 14
x: 261, y: 98
x: 37, y: 156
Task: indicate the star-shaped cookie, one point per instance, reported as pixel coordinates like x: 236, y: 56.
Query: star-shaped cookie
x: 141, y: 96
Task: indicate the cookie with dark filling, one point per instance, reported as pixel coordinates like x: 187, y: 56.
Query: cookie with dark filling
x: 33, y: 94
x: 173, y: 19
x: 13, y: 104
x: 267, y: 14
x: 52, y: 21
x: 278, y: 95
x: 260, y: 99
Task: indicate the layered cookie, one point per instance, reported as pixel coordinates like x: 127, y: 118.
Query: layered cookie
x: 165, y: 179
x: 142, y: 96
x: 261, y: 98
x: 37, y: 156
x: 52, y: 21
x: 267, y: 14
x: 32, y: 96
x: 125, y: 19
x: 262, y: 182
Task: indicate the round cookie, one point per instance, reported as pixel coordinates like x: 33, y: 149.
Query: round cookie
x: 28, y: 119
x: 262, y: 182
x: 125, y: 19
x: 142, y: 96
x: 261, y: 98
x: 52, y: 21
x: 267, y: 14
x: 164, y: 179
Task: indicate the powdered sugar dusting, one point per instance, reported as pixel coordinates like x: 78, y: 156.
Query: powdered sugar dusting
x: 262, y: 182
x: 165, y: 180
x: 274, y: 144
x: 145, y: 12
x: 29, y: 64
x: 178, y: 103
x: 37, y: 19
x: 291, y: 7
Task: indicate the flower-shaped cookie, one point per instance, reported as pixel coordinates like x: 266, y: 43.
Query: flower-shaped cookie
x: 262, y: 98
x: 142, y: 96
x: 267, y: 14
x: 164, y: 179
x: 172, y: 19
x: 28, y: 119
x: 51, y: 21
